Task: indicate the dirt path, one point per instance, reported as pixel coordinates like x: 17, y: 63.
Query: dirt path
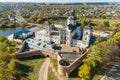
x: 55, y: 72
x: 43, y: 73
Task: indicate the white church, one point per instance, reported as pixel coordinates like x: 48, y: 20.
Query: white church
x: 69, y: 35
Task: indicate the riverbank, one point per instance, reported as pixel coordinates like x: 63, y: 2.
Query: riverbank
x: 8, y: 31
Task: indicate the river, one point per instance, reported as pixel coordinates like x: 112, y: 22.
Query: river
x: 7, y: 32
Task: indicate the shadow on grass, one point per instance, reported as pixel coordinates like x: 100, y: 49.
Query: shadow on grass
x: 22, y: 70
x: 31, y: 58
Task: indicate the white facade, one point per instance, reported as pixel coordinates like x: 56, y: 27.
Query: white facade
x: 42, y: 35
x: 69, y: 35
x: 55, y: 39
x: 87, y: 35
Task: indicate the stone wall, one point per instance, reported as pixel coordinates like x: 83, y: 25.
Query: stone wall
x: 51, y: 55
x: 36, y: 53
x: 22, y: 47
x: 66, y: 70
x: 30, y: 54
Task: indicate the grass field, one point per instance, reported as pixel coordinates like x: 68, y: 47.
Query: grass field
x: 51, y: 75
x: 30, y: 67
x: 55, y: 63
x: 112, y: 22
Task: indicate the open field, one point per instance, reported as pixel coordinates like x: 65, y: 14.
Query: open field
x: 31, y: 66
x: 113, y: 22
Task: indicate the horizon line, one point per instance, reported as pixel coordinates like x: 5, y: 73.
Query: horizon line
x: 57, y: 2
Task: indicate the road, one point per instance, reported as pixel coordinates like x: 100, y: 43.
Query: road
x: 43, y: 73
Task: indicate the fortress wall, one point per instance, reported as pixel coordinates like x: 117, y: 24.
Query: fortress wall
x: 30, y: 54
x: 66, y: 70
x: 22, y: 47
x: 35, y: 53
x: 53, y: 55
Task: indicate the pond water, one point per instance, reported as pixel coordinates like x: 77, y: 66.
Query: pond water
x: 7, y: 32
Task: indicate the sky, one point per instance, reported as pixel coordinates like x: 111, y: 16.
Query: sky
x: 63, y: 1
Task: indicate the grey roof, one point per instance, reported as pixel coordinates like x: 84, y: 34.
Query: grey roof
x: 71, y: 27
x: 21, y: 32
x: 40, y: 45
x: 75, y: 36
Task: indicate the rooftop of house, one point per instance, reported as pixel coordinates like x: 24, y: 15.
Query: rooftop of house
x: 36, y: 43
x: 21, y: 32
x: 71, y: 27
x: 45, y: 32
x: 76, y: 36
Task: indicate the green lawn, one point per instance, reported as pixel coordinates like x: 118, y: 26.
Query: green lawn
x: 55, y: 63
x: 30, y: 67
x: 51, y: 75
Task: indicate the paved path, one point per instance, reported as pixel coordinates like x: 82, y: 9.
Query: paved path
x: 43, y: 73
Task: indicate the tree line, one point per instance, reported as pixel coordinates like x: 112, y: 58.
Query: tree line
x: 99, y: 56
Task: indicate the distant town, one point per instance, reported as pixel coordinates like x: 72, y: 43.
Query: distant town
x: 59, y: 41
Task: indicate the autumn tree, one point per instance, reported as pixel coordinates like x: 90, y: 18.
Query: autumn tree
x: 84, y: 72
x: 100, y: 55
x: 106, y: 24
